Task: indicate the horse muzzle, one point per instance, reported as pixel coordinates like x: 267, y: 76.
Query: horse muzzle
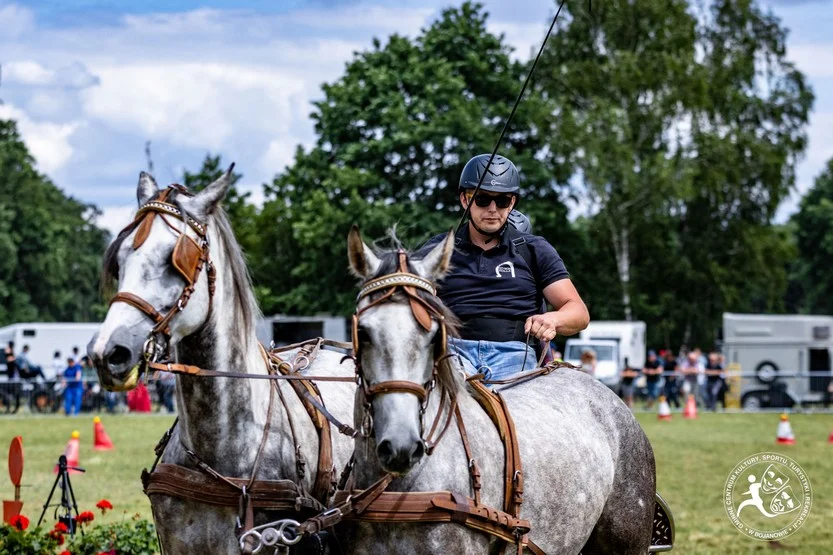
x: 399, y: 457
x: 118, y: 361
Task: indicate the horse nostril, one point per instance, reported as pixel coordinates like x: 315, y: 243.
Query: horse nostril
x: 119, y: 356
x: 384, y: 450
x: 419, y: 451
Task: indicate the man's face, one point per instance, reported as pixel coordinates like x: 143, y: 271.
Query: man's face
x: 489, y: 218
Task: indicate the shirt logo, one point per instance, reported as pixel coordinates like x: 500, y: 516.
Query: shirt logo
x: 505, y: 268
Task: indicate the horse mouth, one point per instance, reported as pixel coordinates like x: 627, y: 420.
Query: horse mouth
x: 124, y: 382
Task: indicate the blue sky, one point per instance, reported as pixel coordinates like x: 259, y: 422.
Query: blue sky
x: 89, y: 81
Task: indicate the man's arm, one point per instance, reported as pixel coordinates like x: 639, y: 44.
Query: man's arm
x: 569, y: 317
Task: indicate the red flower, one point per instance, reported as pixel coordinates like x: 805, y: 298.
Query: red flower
x: 61, y: 527
x: 86, y: 516
x: 64, y: 552
x: 57, y: 536
x: 104, y: 505
x: 20, y: 522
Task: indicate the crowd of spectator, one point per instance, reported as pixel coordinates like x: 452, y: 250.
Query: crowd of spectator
x: 73, y: 381
x: 676, y: 377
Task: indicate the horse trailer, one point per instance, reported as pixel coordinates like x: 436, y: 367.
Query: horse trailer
x: 784, y: 359
x: 283, y: 330
x: 46, y: 338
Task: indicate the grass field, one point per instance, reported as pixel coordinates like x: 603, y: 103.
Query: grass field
x: 694, y: 459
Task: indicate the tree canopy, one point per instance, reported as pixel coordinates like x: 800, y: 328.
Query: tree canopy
x: 671, y: 130
x: 50, y: 249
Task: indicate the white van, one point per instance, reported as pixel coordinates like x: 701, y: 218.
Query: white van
x: 784, y: 358
x: 46, y: 338
x: 616, y: 343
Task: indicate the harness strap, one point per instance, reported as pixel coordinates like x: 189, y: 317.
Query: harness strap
x: 474, y: 468
x: 137, y: 302
x: 397, y: 386
x: 307, y: 391
x: 273, y: 495
x: 190, y: 370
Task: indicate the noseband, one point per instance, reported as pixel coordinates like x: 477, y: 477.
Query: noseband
x: 424, y: 313
x: 189, y: 258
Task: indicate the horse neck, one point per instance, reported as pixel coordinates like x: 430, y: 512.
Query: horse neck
x: 222, y: 420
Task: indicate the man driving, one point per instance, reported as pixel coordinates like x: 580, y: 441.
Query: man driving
x: 500, y: 277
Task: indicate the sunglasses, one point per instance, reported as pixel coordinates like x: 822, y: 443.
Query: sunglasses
x: 483, y: 200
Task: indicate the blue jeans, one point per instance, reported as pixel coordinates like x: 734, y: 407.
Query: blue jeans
x: 496, y: 359
x: 72, y: 400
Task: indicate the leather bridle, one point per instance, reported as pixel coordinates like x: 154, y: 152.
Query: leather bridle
x: 424, y: 313
x: 189, y: 258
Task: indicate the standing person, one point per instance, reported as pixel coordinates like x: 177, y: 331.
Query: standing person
x: 74, y: 387
x: 691, y: 370
x: 672, y: 386
x: 500, y: 277
x: 714, y: 380
x: 588, y: 362
x: 57, y: 366
x: 628, y: 375
x: 11, y: 361
x: 165, y: 386
x: 653, y: 372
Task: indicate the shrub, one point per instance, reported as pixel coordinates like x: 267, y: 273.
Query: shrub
x: 133, y: 536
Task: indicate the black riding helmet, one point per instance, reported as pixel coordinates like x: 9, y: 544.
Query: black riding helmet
x: 501, y: 176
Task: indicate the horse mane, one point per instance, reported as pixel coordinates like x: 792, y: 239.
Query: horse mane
x: 447, y: 375
x: 244, y: 300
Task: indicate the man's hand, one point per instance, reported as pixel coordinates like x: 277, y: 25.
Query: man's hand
x: 543, y: 326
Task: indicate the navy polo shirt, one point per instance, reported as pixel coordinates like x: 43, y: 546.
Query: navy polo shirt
x: 497, y: 283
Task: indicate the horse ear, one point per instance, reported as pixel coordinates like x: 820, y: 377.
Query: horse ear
x: 146, y: 189
x: 363, y: 262
x: 438, y: 260
x: 206, y: 201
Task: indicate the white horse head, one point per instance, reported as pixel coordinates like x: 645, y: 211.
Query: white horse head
x: 145, y: 260
x: 395, y: 347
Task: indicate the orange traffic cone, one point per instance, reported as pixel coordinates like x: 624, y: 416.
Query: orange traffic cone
x: 101, y: 441
x: 785, y: 435
x: 690, y: 410
x: 72, y: 452
x: 663, y: 410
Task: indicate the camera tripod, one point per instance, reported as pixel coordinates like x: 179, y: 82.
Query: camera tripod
x: 67, y: 496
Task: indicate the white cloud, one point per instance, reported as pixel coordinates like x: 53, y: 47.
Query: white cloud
x: 31, y: 73
x: 27, y: 72
x: 116, y: 218
x: 379, y: 19
x: 47, y: 142
x: 279, y: 154
x: 193, y: 105
x: 16, y: 21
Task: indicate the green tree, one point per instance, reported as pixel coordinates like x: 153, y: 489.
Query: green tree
x: 814, y: 240
x: 242, y: 214
x: 50, y: 249
x: 682, y: 126
x: 393, y: 135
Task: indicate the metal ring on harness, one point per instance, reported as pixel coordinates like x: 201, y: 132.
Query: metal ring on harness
x: 299, y: 367
x: 286, y: 535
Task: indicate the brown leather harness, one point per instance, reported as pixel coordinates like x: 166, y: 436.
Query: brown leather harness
x: 206, y: 485
x: 377, y: 505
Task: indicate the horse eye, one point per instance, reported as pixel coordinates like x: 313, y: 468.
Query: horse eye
x: 364, y: 337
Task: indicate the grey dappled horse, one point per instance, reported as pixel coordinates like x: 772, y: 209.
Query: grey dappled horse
x: 589, y: 470
x: 220, y: 419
